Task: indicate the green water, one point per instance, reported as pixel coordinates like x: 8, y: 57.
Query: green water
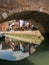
x: 40, y: 57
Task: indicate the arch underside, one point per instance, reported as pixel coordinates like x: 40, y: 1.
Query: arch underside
x: 39, y: 19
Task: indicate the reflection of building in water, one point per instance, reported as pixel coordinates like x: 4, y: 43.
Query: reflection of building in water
x: 32, y: 48
x: 16, y: 45
x: 28, y: 47
x: 24, y: 47
x: 5, y: 44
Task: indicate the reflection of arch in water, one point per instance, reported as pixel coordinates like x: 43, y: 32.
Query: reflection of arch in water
x: 40, y: 19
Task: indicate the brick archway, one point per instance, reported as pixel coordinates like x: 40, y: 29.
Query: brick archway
x: 40, y: 19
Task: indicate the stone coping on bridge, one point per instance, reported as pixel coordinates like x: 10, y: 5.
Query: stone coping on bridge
x: 34, y: 37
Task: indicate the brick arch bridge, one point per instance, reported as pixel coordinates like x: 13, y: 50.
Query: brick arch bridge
x: 36, y: 11
x: 39, y: 19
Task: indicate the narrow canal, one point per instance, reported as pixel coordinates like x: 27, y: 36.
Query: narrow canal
x: 40, y: 57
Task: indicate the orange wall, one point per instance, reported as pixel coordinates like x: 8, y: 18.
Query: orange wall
x: 5, y: 26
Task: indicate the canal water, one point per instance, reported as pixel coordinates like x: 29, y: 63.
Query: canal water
x: 40, y: 57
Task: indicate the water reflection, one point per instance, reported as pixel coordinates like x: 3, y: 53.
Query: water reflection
x: 21, y: 49
x: 9, y: 54
x: 41, y: 56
